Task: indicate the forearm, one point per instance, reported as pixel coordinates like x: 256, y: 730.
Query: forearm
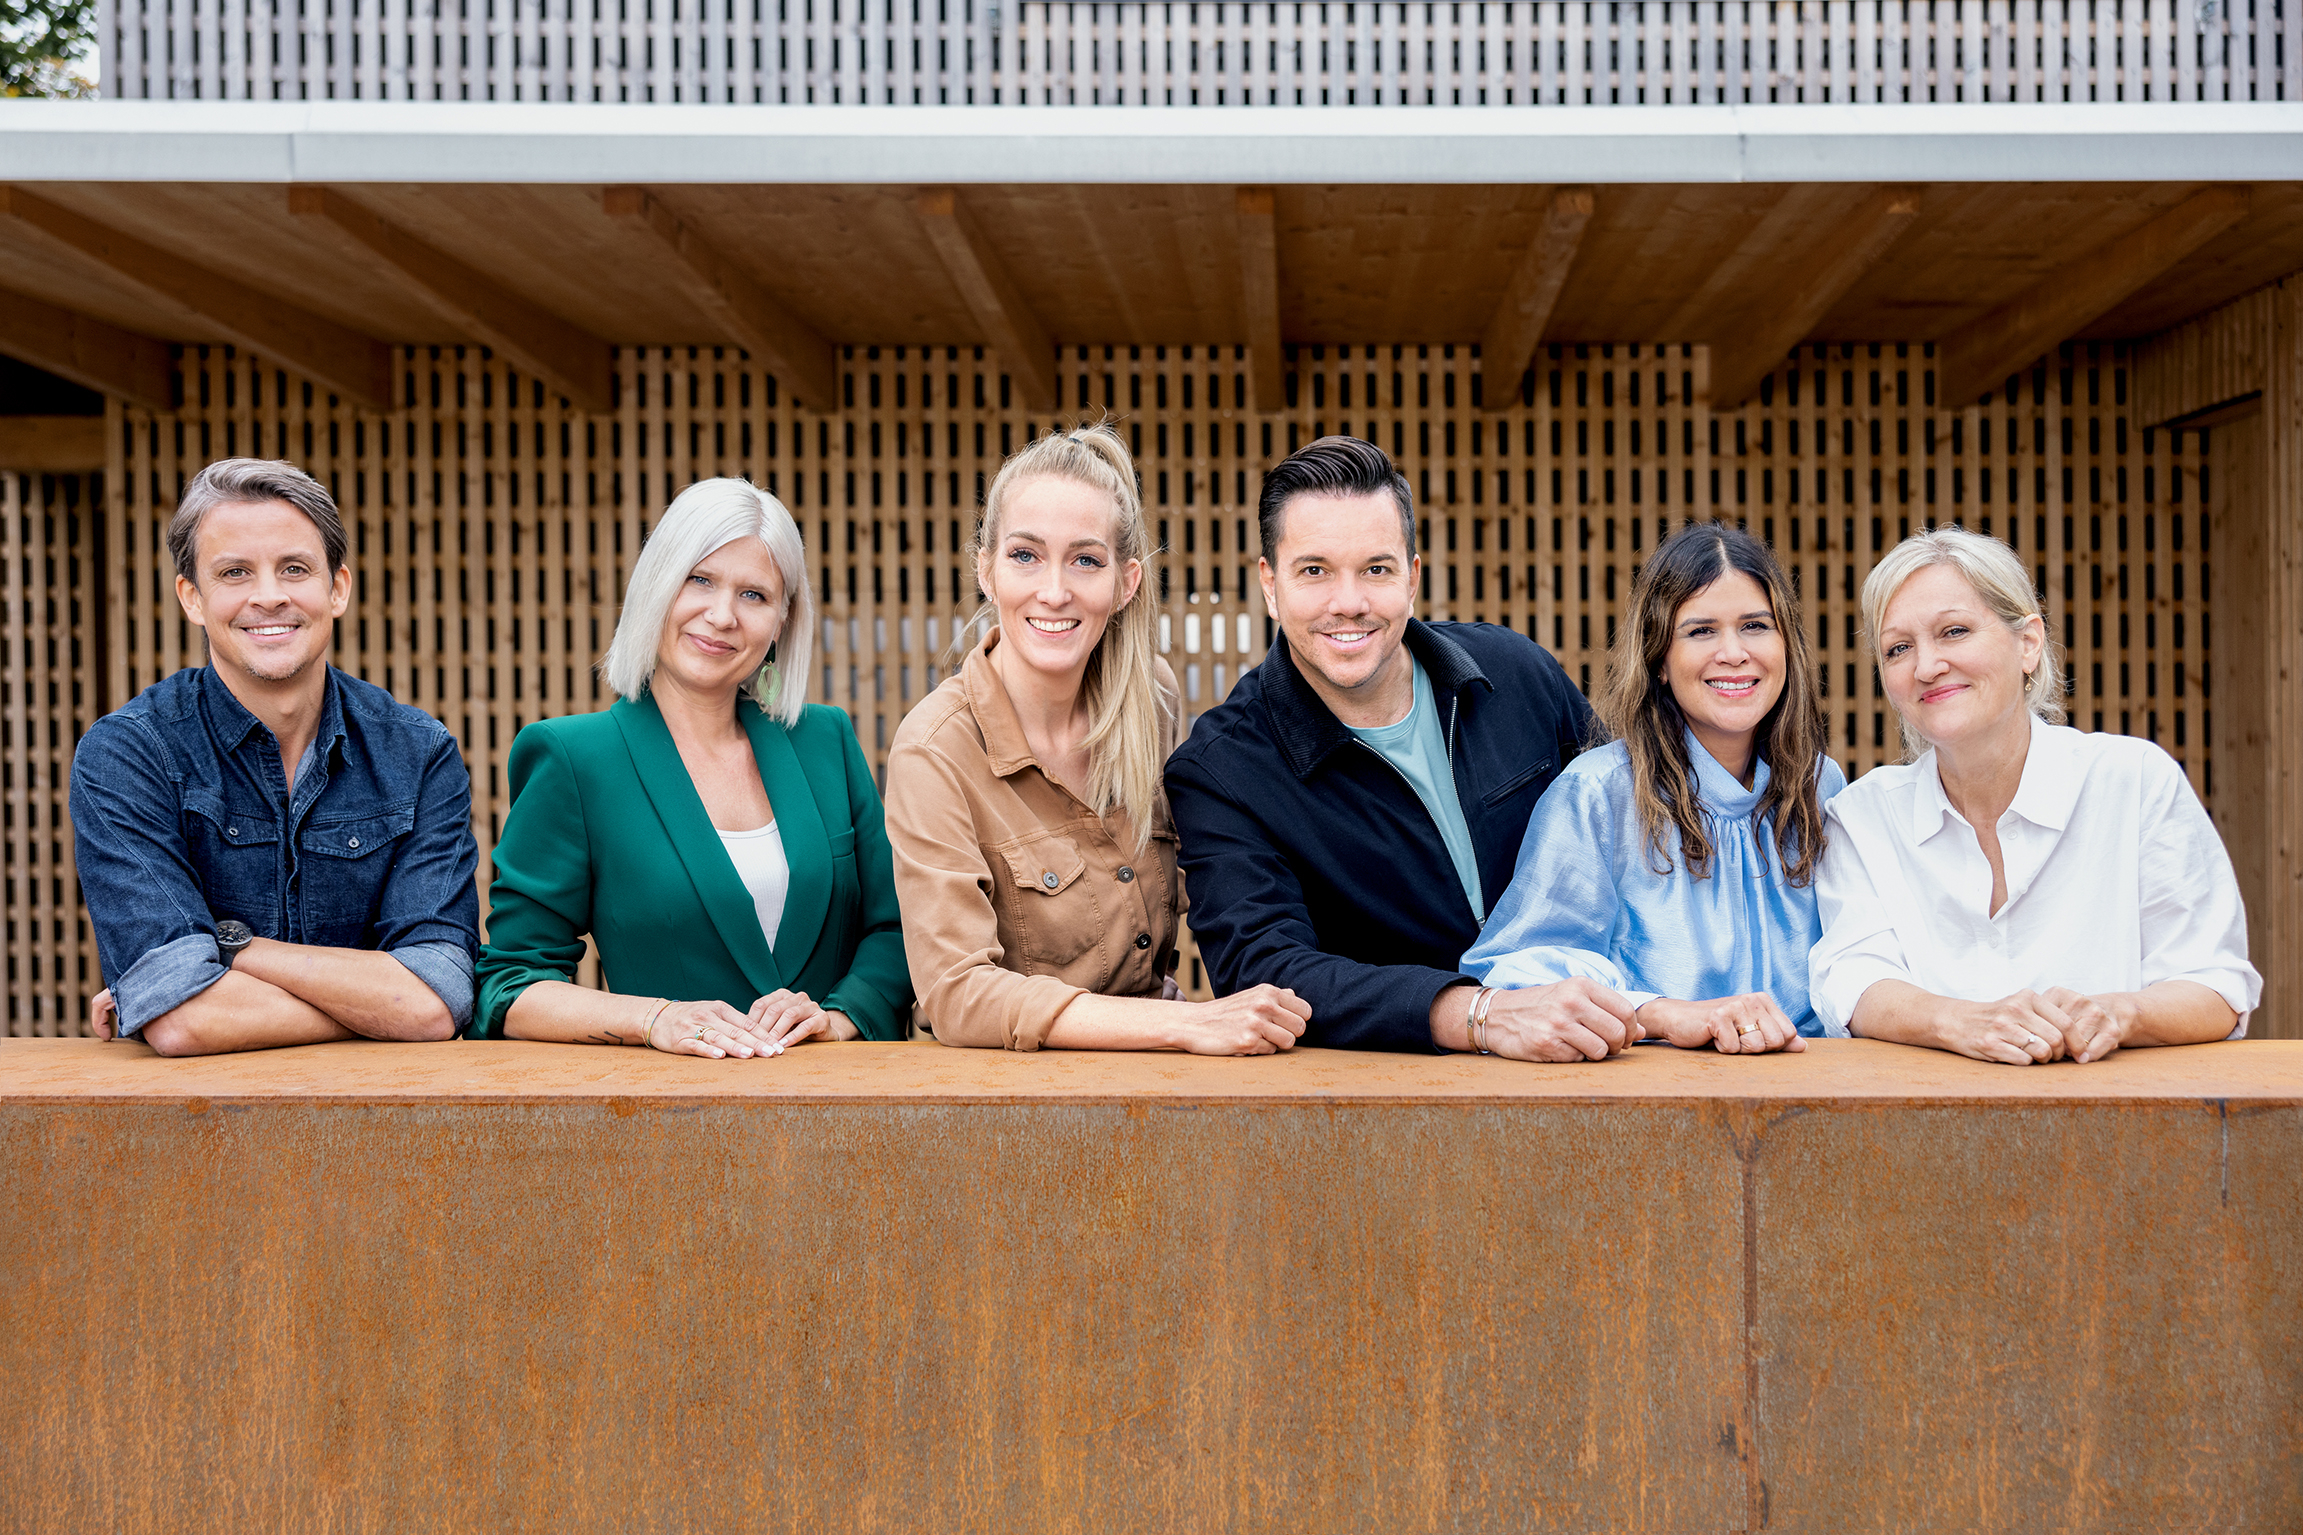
x: 240, y: 1012
x: 1902, y: 1014
x: 561, y: 1012
x: 2177, y: 1013
x: 1094, y: 1022
x: 366, y: 990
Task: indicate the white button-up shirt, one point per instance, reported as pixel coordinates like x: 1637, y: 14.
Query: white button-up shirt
x: 2116, y: 880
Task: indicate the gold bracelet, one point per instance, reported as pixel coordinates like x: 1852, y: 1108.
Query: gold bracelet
x: 647, y: 1040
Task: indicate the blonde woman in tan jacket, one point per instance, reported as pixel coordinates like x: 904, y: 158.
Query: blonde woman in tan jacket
x: 1035, y: 862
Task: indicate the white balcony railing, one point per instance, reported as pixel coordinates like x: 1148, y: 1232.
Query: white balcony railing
x: 1149, y: 52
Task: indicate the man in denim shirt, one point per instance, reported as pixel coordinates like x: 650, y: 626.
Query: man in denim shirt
x: 272, y: 852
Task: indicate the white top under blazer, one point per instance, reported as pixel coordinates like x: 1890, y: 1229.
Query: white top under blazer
x: 760, y: 863
x: 2116, y: 880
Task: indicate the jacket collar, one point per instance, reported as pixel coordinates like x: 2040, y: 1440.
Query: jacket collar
x: 995, y: 712
x: 1307, y: 729
x: 807, y: 842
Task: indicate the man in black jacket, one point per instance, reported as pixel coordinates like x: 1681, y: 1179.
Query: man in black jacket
x: 1350, y: 812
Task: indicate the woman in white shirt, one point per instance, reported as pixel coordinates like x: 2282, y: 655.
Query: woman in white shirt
x: 2020, y: 892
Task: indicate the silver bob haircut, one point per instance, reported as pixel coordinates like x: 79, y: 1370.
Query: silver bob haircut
x: 706, y: 517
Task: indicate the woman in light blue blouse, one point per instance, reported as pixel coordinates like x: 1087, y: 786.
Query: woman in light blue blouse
x: 1676, y: 864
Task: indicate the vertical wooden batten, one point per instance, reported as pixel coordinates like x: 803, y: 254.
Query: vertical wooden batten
x: 2238, y: 374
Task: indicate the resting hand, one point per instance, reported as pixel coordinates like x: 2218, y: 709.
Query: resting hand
x: 2019, y: 1030
x: 713, y: 1030
x: 103, y: 1015
x: 2098, y: 1025
x: 786, y: 1018
x: 1261, y: 1020
x: 1169, y: 991
x: 1570, y: 1020
x: 1747, y: 1025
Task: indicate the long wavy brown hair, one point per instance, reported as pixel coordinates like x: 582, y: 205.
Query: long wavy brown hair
x: 1637, y: 706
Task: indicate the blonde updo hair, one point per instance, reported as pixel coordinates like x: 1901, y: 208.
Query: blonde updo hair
x: 1999, y: 579
x: 1119, y: 684
x: 707, y: 517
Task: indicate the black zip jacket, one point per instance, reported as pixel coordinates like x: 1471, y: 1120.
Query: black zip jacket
x: 1311, y: 864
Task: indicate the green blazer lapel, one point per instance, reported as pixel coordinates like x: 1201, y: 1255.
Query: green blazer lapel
x: 805, y: 834
x: 681, y: 809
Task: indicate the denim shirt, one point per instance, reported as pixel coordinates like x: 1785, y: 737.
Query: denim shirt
x: 182, y: 817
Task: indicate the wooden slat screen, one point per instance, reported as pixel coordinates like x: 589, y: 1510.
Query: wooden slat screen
x: 492, y: 529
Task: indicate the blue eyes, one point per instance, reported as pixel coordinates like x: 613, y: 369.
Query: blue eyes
x: 756, y: 595
x: 1031, y: 556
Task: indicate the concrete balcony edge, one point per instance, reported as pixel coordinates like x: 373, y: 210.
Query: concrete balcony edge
x: 544, y: 143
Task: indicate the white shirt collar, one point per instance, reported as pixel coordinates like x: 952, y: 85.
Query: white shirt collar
x: 2045, y: 797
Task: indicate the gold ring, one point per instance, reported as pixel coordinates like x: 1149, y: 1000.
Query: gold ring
x: 1747, y: 1028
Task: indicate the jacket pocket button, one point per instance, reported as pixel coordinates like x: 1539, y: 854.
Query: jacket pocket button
x: 231, y: 831
x: 355, y: 842
x: 1143, y: 940
x: 1049, y: 879
x: 1126, y: 874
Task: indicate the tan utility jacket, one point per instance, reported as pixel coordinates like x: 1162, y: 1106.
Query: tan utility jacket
x: 1016, y: 896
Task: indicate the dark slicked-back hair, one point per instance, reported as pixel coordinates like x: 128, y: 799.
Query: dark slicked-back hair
x: 240, y: 480
x: 1331, y: 466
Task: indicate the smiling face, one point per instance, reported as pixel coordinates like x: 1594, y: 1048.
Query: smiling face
x: 1952, y: 667
x: 1342, y: 586
x: 1054, y: 575
x: 728, y: 612
x: 265, y: 593
x: 1726, y: 666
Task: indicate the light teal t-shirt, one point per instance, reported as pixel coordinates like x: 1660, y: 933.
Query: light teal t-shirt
x: 1416, y: 747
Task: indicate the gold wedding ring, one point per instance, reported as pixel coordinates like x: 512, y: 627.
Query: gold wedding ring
x: 1747, y: 1028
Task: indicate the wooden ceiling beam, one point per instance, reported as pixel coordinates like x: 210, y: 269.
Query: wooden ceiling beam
x: 569, y: 360
x: 334, y: 356
x: 1835, y: 262
x: 992, y: 296
x: 744, y: 312
x: 92, y: 354
x: 1259, y: 298
x: 1979, y: 356
x: 51, y: 444
x: 1516, y: 328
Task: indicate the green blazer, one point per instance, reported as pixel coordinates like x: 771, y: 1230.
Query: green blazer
x: 606, y: 835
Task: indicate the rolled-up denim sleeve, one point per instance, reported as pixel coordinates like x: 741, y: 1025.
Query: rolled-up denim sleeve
x: 165, y: 979
x: 155, y: 936
x: 447, y: 969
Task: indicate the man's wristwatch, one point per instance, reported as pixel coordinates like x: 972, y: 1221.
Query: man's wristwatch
x: 232, y: 936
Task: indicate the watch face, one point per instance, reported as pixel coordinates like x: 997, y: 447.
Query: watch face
x: 234, y: 934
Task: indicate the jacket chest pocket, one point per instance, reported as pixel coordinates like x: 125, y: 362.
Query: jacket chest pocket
x: 344, y: 865
x: 237, y: 853
x: 1056, y: 916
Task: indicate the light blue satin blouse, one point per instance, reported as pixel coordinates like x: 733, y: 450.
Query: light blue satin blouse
x: 1585, y: 898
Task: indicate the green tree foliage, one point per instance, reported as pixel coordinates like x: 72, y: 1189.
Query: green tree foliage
x: 47, y: 47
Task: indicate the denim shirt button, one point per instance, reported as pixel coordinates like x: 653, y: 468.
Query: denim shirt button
x: 231, y: 831
x: 355, y: 842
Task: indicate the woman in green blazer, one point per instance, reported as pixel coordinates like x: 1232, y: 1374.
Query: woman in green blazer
x: 709, y: 808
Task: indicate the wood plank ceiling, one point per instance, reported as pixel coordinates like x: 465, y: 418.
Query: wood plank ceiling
x: 1104, y: 264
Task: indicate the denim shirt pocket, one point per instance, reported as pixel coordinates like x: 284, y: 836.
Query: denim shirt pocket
x: 237, y: 852
x: 347, y: 861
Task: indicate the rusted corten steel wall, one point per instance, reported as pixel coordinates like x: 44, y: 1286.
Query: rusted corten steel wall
x: 514, y: 1286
